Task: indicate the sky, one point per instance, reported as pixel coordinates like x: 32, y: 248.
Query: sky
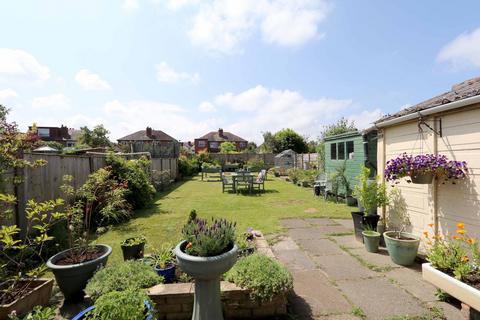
x: 188, y: 67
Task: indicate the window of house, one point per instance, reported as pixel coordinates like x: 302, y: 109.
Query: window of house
x: 341, y: 150
x: 201, y: 144
x: 43, y: 132
x: 242, y: 144
x: 214, y: 145
x: 333, y: 151
x: 350, y: 149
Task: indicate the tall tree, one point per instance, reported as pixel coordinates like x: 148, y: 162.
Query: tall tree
x: 3, y: 112
x: 251, y: 147
x: 289, y: 139
x: 268, y: 142
x: 98, y: 137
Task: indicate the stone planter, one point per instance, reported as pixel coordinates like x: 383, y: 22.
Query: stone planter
x: 402, y: 251
x: 422, y: 178
x: 72, y: 279
x: 206, y: 271
x: 452, y: 286
x: 371, y: 239
x: 39, y: 295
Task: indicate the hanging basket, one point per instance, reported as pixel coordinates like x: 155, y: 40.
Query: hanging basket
x: 422, y: 178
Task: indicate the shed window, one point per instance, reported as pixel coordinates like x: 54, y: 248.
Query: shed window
x: 333, y: 151
x: 350, y: 149
x: 214, y: 145
x: 341, y: 151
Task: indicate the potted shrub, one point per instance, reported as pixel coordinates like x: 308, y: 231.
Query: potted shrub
x: 130, y: 304
x: 133, y: 248
x: 131, y: 274
x: 371, y: 239
x: 73, y: 267
x: 453, y: 265
x: 21, y: 289
x: 207, y: 252
x: 163, y: 262
x: 424, y: 167
x: 370, y: 195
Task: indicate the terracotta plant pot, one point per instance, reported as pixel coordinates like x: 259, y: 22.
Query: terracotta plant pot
x: 39, y: 295
x: 72, y: 279
x: 206, y: 271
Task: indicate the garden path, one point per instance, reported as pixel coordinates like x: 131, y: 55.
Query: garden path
x: 336, y: 278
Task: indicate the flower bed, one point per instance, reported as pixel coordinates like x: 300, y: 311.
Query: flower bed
x: 175, y: 301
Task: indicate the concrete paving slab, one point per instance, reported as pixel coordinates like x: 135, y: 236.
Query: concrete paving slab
x: 342, y: 267
x: 451, y: 312
x: 321, y: 222
x: 335, y: 229
x: 347, y: 223
x: 380, y: 259
x: 380, y: 299
x: 348, y: 241
x: 411, y: 280
x: 314, y: 295
x: 306, y: 233
x: 285, y: 243
x: 294, y: 223
x: 320, y: 247
x: 337, y: 317
x: 295, y: 259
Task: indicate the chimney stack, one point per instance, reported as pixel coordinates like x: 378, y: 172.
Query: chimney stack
x: 220, y: 132
x: 149, y: 132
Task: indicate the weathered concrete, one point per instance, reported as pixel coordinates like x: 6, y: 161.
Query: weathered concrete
x: 411, y: 280
x: 343, y: 266
x: 306, y: 233
x: 348, y: 242
x: 295, y: 223
x: 380, y: 259
x: 319, y: 247
x: 380, y: 299
x: 347, y: 223
x: 336, y: 229
x: 295, y: 259
x: 321, y: 222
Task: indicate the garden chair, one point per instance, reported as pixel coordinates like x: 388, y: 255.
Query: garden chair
x: 243, y: 180
x: 259, y: 183
x: 227, y: 184
x: 321, y: 185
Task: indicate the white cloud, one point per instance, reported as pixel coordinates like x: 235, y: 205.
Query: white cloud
x: 260, y: 109
x: 91, y: 81
x: 463, y: 51
x: 206, y: 107
x: 130, y: 5
x: 19, y: 65
x: 365, y: 119
x: 178, y: 4
x: 7, y: 94
x: 167, y: 74
x: 223, y: 24
x: 55, y: 101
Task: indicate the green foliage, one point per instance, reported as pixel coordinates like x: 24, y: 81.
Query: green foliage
x: 289, y: 139
x: 450, y: 257
x: 262, y: 275
x: 370, y: 193
x: 133, y: 241
x: 255, y: 165
x: 105, y: 197
x: 38, y: 313
x: 340, y: 179
x: 98, y: 137
x: 228, y: 147
x: 162, y: 257
x: 300, y: 175
x: 135, y: 173
x: 251, y: 147
x: 132, y: 274
x: 208, y: 239
x: 188, y: 166
x: 52, y: 144
x: 124, y: 305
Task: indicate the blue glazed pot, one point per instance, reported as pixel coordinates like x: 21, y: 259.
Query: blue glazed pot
x: 402, y: 251
x: 81, y: 315
x: 168, y: 273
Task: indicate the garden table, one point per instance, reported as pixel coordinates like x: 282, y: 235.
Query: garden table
x: 242, y: 179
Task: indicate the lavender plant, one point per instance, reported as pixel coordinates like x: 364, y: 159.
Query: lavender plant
x: 206, y: 239
x: 439, y: 165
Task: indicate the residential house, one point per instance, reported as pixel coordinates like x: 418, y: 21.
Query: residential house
x: 211, y: 141
x: 157, y: 142
x: 60, y: 134
x: 448, y: 124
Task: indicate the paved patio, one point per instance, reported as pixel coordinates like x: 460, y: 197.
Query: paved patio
x: 335, y: 278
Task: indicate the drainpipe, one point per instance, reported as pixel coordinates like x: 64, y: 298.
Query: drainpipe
x: 435, y: 184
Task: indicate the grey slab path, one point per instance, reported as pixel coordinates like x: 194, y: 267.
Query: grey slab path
x: 334, y: 275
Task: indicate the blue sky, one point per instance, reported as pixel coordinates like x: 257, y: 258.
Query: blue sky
x: 191, y: 66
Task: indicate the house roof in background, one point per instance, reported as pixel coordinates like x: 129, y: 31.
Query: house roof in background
x: 142, y: 136
x: 227, y: 136
x: 463, y: 90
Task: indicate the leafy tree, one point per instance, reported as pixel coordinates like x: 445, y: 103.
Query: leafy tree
x: 341, y: 126
x: 289, y: 139
x: 3, y: 113
x: 251, y: 147
x: 268, y: 144
x: 228, y: 147
x: 98, y: 137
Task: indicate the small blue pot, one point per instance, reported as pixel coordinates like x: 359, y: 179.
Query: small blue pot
x: 81, y: 315
x: 168, y: 273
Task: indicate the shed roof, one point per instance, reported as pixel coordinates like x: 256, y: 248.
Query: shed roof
x: 463, y: 90
x: 349, y: 134
x: 285, y: 152
x: 142, y: 136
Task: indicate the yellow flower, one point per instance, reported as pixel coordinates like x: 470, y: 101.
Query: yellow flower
x: 471, y: 241
x: 465, y: 259
x: 425, y: 233
x: 460, y: 225
x: 461, y: 231
x: 430, y: 225
x: 455, y: 237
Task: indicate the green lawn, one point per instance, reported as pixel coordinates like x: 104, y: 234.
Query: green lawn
x: 162, y: 222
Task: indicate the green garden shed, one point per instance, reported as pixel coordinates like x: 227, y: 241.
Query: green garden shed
x: 354, y: 149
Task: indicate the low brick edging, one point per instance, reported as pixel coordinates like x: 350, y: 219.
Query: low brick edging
x: 175, y: 301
